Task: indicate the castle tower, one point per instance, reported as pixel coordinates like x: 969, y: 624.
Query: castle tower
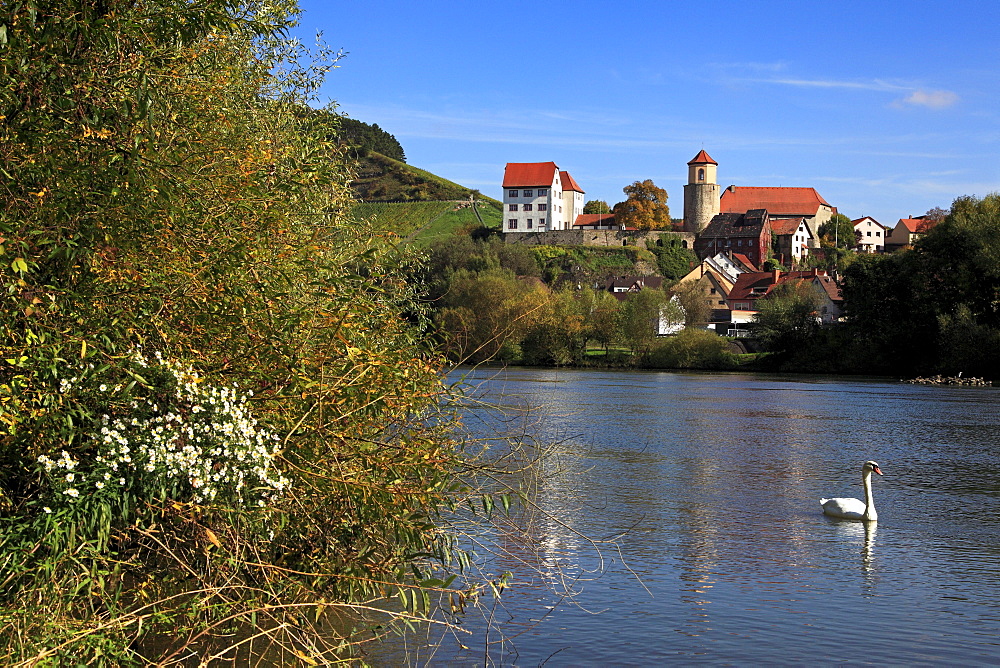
x: 701, y: 194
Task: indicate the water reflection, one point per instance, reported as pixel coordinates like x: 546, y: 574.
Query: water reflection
x: 712, y: 482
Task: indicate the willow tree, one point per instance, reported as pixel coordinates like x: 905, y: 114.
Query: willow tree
x: 213, y: 390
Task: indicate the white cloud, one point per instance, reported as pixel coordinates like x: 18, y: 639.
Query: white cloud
x: 933, y: 99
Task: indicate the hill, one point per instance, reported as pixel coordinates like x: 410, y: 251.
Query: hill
x: 421, y: 223
x: 380, y: 178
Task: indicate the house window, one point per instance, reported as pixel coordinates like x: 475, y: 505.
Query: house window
x: 512, y: 224
x: 542, y: 192
x: 877, y: 233
x: 527, y: 193
x: 701, y: 174
x: 512, y: 193
x: 869, y: 232
x: 529, y: 223
x: 543, y: 207
x: 512, y: 207
x: 527, y: 207
x: 560, y: 209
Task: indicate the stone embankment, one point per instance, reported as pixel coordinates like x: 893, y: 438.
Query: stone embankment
x: 949, y: 380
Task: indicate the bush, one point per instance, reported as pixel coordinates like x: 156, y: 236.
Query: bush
x: 693, y: 349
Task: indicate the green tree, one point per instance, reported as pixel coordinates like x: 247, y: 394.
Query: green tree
x: 838, y: 232
x: 646, y: 207
x: 596, y: 206
x: 640, y: 318
x: 786, y: 318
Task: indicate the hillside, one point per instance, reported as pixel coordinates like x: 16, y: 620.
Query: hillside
x: 382, y: 179
x: 421, y: 223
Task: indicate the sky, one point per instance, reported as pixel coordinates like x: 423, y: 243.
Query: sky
x: 887, y: 109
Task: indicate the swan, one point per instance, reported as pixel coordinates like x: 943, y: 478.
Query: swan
x: 854, y: 509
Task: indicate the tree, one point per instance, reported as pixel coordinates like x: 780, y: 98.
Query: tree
x: 174, y: 229
x: 787, y: 316
x: 640, y: 319
x: 596, y: 206
x: 696, y: 300
x: 839, y: 232
x: 646, y: 207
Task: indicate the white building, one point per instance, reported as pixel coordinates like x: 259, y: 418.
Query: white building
x: 871, y: 233
x: 537, y: 197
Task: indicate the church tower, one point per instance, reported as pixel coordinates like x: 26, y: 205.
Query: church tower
x: 701, y: 194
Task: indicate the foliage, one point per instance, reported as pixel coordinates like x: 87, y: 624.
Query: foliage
x: 164, y: 192
x: 672, y: 259
x: 693, y: 348
x: 640, y: 316
x: 646, y: 207
x: 787, y: 316
x: 696, y: 300
x: 923, y: 308
x: 839, y: 232
x: 361, y: 135
x: 596, y: 206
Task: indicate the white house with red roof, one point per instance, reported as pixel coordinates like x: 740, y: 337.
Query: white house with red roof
x: 871, y: 234
x: 538, y: 197
x: 792, y: 237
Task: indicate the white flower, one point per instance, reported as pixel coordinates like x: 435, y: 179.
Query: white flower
x: 47, y: 510
x: 69, y: 477
x: 72, y: 492
x: 103, y: 388
x: 99, y: 485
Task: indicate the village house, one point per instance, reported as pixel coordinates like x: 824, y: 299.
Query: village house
x: 538, y: 197
x: 714, y: 278
x: 907, y: 231
x: 781, y: 204
x: 792, y: 240
x: 871, y: 235
x: 747, y: 233
x: 751, y: 287
x: 623, y: 286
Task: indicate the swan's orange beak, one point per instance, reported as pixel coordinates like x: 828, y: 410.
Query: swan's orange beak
x: 877, y: 470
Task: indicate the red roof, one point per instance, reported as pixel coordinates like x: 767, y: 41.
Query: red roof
x: 569, y: 183
x: 594, y: 219
x: 744, y: 260
x: 702, y: 157
x: 916, y: 225
x: 752, y: 285
x: 781, y: 226
x: 529, y: 174
x: 777, y: 201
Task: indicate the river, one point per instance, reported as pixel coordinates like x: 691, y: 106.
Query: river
x: 676, y: 520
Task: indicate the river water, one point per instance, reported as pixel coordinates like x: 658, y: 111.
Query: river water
x: 675, y: 520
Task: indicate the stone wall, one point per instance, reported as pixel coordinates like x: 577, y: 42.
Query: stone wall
x: 594, y: 238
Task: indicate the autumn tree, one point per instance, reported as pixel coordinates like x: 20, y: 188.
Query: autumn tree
x: 645, y: 209
x: 175, y: 241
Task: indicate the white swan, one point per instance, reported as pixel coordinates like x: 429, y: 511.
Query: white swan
x: 854, y: 509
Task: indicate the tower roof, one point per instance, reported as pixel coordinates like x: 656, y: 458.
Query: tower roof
x: 702, y: 158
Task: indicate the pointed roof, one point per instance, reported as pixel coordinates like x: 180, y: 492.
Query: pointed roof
x: 915, y: 225
x: 569, y: 183
x: 777, y: 201
x: 785, y: 226
x: 701, y: 158
x: 525, y: 174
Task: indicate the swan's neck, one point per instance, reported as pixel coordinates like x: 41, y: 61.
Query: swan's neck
x: 870, y: 513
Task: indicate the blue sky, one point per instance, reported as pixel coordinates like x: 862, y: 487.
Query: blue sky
x: 887, y: 109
